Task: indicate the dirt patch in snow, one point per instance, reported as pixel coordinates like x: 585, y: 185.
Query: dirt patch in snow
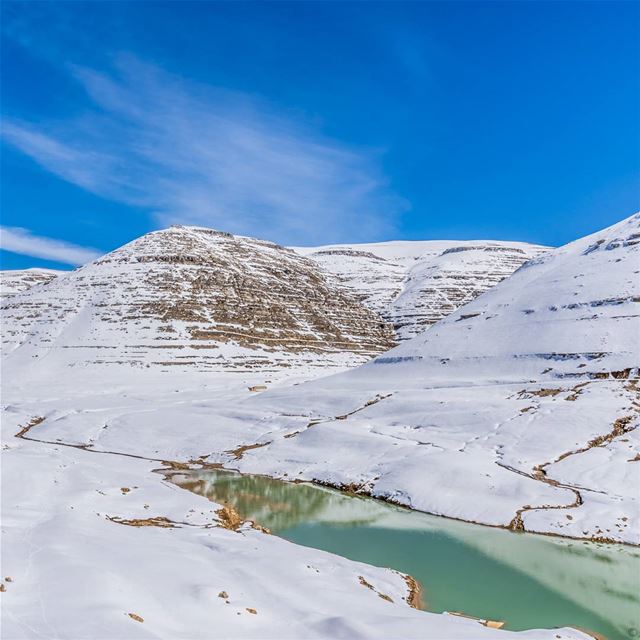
x: 364, y: 583
x: 238, y: 452
x: 414, y: 598
x: 229, y: 518
x: 156, y: 521
x: 32, y: 423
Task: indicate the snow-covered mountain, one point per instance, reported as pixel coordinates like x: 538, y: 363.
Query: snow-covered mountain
x: 192, y: 296
x: 195, y: 296
x: 570, y: 312
x: 15, y: 281
x: 413, y: 284
x: 518, y: 410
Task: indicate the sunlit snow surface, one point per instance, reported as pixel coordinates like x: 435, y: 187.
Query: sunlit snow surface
x: 77, y: 573
x: 537, y: 376
x: 534, y: 380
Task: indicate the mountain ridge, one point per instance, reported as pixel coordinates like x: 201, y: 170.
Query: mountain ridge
x: 197, y: 312
x: 197, y: 296
x: 414, y: 284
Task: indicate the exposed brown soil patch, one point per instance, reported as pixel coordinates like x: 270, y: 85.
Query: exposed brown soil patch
x: 229, y: 518
x: 156, y: 521
x: 414, y: 598
x: 368, y: 403
x: 541, y: 393
x: 191, y: 465
x: 364, y: 583
x: 32, y: 423
x: 576, y: 391
x: 238, y: 452
x: 620, y: 427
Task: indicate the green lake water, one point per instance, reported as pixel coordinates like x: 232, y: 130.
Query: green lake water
x: 528, y: 581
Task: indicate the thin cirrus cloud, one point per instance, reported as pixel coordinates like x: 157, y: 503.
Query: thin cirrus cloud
x: 24, y: 242
x: 196, y: 154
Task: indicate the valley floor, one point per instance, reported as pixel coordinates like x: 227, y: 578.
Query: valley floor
x: 98, y: 545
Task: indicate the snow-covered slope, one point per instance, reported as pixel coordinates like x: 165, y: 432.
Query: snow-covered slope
x: 570, y: 312
x: 413, y: 284
x: 193, y: 297
x: 95, y: 545
x: 498, y: 433
x: 518, y: 410
x: 15, y: 281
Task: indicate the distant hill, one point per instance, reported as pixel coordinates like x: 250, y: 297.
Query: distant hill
x: 198, y: 298
x: 413, y: 284
x: 15, y: 281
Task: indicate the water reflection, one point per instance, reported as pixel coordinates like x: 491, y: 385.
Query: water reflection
x: 527, y: 580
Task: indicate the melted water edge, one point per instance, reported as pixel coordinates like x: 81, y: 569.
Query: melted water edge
x: 528, y: 581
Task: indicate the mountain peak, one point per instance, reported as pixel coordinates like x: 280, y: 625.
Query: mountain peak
x: 197, y: 297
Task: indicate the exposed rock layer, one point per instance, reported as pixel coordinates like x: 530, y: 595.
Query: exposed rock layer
x: 415, y: 284
x: 190, y: 295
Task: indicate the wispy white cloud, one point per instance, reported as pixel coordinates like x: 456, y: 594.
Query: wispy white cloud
x: 22, y: 241
x: 200, y: 155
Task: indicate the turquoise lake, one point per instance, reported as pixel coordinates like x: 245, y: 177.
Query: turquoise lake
x: 528, y: 581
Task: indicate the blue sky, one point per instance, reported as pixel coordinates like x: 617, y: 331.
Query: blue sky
x: 310, y: 123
